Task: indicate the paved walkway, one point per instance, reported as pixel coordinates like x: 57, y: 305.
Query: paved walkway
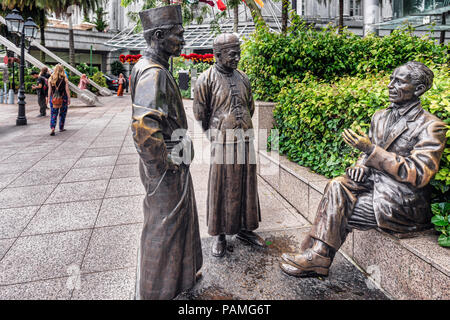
x: 71, y: 205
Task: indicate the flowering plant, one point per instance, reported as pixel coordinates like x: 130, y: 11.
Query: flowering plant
x: 129, y: 58
x: 208, y: 58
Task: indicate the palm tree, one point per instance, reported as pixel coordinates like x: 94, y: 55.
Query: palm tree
x: 66, y: 7
x: 234, y: 5
x: 30, y: 8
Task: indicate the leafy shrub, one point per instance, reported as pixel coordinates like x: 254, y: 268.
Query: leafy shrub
x: 180, y: 64
x: 270, y: 58
x: 98, y: 78
x: 84, y: 68
x: 441, y: 221
x: 311, y: 115
x: 117, y: 68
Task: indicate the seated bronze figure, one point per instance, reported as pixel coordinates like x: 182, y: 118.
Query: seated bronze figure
x: 388, y: 187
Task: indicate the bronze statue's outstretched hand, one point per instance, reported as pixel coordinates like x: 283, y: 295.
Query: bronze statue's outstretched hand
x: 360, y: 142
x: 357, y: 173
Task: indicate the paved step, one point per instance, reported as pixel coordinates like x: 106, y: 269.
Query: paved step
x: 249, y: 273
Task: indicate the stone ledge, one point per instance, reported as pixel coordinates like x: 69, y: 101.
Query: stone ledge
x: 408, y: 268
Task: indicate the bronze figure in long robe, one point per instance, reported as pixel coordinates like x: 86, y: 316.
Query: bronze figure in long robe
x: 223, y: 102
x: 170, y: 249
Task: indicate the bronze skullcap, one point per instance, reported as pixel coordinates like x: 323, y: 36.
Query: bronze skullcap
x: 162, y: 16
x: 226, y: 40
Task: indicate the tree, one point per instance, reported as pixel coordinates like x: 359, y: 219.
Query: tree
x: 100, y: 22
x: 33, y: 9
x: 341, y: 16
x: 234, y: 5
x: 188, y: 15
x: 66, y: 8
x: 284, y: 15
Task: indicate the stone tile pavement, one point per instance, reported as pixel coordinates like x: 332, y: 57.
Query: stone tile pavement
x: 70, y: 205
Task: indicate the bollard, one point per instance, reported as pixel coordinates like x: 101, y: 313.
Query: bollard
x: 1, y: 95
x: 11, y: 96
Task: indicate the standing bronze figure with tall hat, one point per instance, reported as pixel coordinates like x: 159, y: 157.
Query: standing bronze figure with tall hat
x: 170, y: 250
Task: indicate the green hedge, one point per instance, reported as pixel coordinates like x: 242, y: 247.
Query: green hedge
x: 272, y: 60
x: 311, y: 115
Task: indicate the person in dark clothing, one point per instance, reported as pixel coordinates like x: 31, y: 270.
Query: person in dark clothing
x: 41, y: 90
x: 46, y: 74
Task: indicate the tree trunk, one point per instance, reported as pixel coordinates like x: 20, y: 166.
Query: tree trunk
x: 42, y: 31
x: 71, y: 43
x: 341, y: 16
x: 284, y: 15
x: 236, y: 18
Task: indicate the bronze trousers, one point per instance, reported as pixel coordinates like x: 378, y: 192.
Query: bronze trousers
x: 345, y: 205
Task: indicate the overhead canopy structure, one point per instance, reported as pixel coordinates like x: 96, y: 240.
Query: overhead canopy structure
x: 196, y: 36
x: 426, y: 20
x: 201, y: 36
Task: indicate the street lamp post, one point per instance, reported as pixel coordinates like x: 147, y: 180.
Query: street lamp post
x: 28, y: 30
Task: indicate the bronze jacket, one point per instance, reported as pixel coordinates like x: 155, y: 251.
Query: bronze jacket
x: 401, y: 166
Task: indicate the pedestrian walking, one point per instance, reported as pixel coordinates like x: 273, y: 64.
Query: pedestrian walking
x: 122, y: 82
x: 82, y: 85
x: 46, y: 74
x: 41, y: 88
x: 59, y: 97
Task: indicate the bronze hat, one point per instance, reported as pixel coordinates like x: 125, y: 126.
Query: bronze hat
x: 226, y: 40
x: 162, y: 16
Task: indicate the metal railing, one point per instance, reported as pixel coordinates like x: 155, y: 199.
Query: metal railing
x: 102, y: 90
x: 85, y: 95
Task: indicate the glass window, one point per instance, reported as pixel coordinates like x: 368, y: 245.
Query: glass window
x: 355, y: 8
x: 402, y: 8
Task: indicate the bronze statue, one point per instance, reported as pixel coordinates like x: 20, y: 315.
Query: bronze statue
x: 388, y: 187
x: 224, y: 105
x: 170, y: 250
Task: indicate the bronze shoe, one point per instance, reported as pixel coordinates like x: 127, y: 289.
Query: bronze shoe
x: 306, y: 264
x: 219, y: 247
x: 251, y: 238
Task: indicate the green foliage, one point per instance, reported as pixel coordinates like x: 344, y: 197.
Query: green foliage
x: 84, y: 68
x: 269, y: 58
x: 117, y: 68
x: 441, y: 221
x: 98, y: 78
x: 180, y: 64
x: 311, y: 115
x: 100, y: 23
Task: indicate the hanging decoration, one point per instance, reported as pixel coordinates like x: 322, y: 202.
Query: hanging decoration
x: 261, y: 4
x: 211, y: 3
x: 221, y: 6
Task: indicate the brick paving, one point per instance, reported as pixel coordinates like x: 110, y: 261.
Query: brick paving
x: 71, y: 206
